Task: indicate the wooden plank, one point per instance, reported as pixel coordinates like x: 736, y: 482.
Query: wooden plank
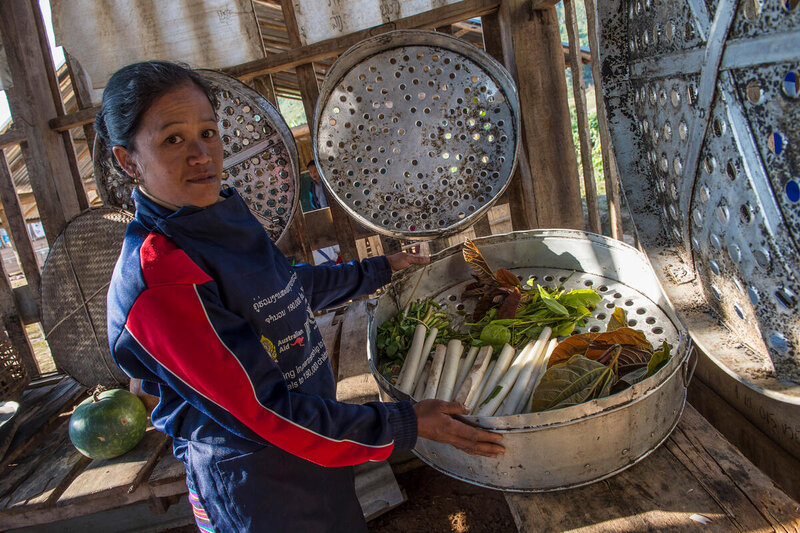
x: 167, y: 471
x: 584, y: 135
x: 376, y: 489
x: 610, y: 175
x: 498, y: 42
x: 12, y: 137
x: 83, y: 97
x: 300, y: 55
x: 532, y: 52
x: 32, y: 105
x: 757, y: 446
x: 682, y: 479
x: 265, y: 87
x: 108, y: 477
x: 482, y: 227
x: 50, y: 478
x: 355, y: 381
x: 18, y: 229
x: 73, y: 120
x: 37, y: 418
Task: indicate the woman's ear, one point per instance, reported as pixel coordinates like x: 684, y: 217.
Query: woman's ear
x: 125, y: 160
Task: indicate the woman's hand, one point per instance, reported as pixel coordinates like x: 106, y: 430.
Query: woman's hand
x: 404, y: 260
x: 435, y: 423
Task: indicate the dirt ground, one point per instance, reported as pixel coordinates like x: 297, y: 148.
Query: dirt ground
x: 438, y: 504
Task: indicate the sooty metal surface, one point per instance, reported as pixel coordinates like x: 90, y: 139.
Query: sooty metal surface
x: 260, y: 156
x: 703, y: 106
x: 416, y: 133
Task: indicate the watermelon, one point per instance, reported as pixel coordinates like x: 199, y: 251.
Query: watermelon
x: 108, y: 424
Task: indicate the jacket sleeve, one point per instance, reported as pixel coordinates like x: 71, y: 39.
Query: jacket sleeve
x: 328, y: 286
x: 211, y: 357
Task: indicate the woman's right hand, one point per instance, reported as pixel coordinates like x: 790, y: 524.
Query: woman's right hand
x: 435, y: 423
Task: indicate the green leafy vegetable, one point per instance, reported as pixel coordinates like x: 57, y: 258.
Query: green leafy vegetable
x: 495, y: 334
x: 494, y: 393
x: 576, y: 381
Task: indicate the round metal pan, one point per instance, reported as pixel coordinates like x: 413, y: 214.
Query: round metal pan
x: 416, y: 133
x: 577, y: 445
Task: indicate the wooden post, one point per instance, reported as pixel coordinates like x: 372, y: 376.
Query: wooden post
x: 264, y: 86
x: 609, y: 168
x: 390, y: 246
x: 309, y: 90
x: 482, y: 228
x: 533, y: 53
x: 32, y: 105
x: 18, y: 229
x: 520, y: 191
x: 82, y: 97
x: 585, y: 136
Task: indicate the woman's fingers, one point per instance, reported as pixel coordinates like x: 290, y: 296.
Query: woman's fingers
x: 434, y: 422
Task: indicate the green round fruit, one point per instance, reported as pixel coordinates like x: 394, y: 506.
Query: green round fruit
x: 108, y: 424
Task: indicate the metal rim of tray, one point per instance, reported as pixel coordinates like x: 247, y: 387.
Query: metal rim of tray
x: 416, y: 133
x: 260, y: 157
x: 638, y: 398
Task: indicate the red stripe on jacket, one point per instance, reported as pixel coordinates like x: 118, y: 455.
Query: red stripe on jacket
x: 185, y: 342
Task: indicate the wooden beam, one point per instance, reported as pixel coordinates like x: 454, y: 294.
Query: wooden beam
x: 610, y: 175
x: 309, y: 90
x: 533, y: 54
x: 12, y: 137
x: 73, y: 120
x: 83, y: 97
x: 300, y: 55
x: 18, y: 230
x: 498, y: 43
x: 32, y: 106
x: 584, y: 135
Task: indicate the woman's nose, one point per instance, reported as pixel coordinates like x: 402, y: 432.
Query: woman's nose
x: 199, y: 153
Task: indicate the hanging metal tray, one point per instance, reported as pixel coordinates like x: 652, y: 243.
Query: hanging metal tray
x: 260, y: 157
x: 577, y: 445
x: 416, y: 133
x: 702, y: 100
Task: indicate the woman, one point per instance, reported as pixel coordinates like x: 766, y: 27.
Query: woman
x: 207, y: 312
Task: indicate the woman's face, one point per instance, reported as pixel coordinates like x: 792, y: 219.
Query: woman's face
x: 176, y: 152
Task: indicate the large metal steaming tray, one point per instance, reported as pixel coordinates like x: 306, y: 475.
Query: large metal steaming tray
x: 259, y: 157
x: 703, y: 100
x: 417, y: 133
x: 581, y: 444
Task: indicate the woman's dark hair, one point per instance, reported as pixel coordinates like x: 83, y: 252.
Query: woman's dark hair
x: 130, y: 92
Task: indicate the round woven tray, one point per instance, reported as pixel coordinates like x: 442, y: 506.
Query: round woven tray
x: 75, y: 283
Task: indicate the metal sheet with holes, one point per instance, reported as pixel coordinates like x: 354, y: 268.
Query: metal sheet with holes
x: 75, y: 283
x: 260, y: 157
x: 733, y: 216
x: 417, y: 133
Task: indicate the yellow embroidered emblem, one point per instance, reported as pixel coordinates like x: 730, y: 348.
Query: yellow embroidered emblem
x: 269, y: 347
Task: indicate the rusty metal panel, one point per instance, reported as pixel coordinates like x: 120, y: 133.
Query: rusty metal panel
x: 704, y: 110
x: 416, y: 133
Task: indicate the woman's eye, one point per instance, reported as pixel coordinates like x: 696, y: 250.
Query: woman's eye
x: 174, y: 139
x: 209, y: 134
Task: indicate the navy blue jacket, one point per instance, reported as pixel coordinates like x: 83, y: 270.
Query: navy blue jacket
x: 210, y: 315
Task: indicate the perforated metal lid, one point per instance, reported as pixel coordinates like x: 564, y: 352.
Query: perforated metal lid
x: 417, y: 133
x: 703, y: 104
x: 260, y: 156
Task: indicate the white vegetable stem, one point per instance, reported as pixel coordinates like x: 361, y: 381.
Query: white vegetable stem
x: 450, y: 372
x: 436, y: 371
x: 505, y: 384
x: 537, y: 377
x: 474, y: 378
x: 516, y: 398
x: 426, y: 350
x: 465, y: 367
x: 405, y: 382
x: 479, y: 391
x: 419, y: 390
x: 503, y: 361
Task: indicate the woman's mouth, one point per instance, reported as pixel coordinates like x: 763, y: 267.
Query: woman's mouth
x: 203, y: 179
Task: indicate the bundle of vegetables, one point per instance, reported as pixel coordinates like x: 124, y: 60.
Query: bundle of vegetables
x: 395, y: 336
x: 593, y: 365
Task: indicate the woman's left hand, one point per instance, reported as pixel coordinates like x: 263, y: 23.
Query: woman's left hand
x: 405, y: 260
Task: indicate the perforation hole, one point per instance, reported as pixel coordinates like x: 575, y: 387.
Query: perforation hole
x: 753, y: 91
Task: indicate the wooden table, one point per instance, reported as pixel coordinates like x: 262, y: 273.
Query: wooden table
x: 45, y: 479
x: 695, y: 481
